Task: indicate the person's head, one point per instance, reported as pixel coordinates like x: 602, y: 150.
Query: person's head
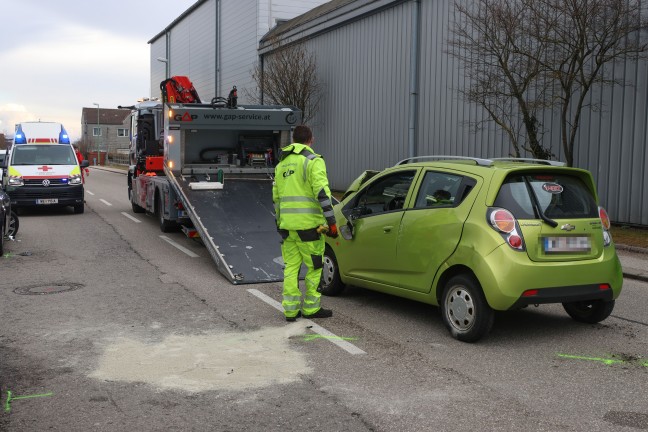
x: 303, y: 135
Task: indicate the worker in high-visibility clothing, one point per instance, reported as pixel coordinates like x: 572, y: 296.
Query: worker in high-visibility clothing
x: 304, y: 209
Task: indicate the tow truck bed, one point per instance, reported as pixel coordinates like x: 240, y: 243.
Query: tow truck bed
x: 237, y: 226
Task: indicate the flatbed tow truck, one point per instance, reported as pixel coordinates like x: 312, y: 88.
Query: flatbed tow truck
x: 208, y: 169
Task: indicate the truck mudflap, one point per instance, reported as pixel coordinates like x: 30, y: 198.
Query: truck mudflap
x: 237, y: 226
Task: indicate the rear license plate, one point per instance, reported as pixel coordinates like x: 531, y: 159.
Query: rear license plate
x: 47, y: 201
x: 566, y: 244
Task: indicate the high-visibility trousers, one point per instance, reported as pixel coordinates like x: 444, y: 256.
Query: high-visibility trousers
x: 307, y: 247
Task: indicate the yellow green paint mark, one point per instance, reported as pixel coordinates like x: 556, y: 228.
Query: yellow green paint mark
x: 606, y: 361
x: 11, y: 398
x: 311, y: 337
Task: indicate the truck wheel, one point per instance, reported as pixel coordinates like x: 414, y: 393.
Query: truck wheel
x: 13, y: 225
x: 165, y: 225
x: 135, y: 207
x: 79, y: 208
x: 466, y: 313
x: 330, y: 283
x: 590, y: 312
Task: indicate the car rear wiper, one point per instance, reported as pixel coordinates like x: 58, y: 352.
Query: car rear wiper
x: 536, y: 205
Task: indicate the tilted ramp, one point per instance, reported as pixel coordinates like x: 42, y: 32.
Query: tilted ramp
x: 237, y: 225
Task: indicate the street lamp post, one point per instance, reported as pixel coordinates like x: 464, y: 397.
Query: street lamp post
x: 98, y: 159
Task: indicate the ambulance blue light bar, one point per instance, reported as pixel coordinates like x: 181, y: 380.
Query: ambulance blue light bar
x: 64, y: 138
x: 20, y: 138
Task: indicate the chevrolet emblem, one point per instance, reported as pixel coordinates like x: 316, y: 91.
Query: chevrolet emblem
x: 568, y: 227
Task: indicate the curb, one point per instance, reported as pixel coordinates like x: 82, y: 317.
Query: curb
x: 115, y: 170
x: 635, y: 249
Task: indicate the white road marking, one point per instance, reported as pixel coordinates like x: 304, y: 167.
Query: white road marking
x: 134, y: 219
x: 346, y: 346
x: 177, y: 246
x: 90, y: 192
x: 105, y: 202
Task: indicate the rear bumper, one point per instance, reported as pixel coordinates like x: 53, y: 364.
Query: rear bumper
x: 28, y: 196
x: 506, y: 275
x: 566, y: 294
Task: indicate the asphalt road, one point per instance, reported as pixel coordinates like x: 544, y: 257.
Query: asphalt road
x: 146, y: 335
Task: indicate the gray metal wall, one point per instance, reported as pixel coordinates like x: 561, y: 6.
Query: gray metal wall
x: 364, y: 67
x: 363, y: 121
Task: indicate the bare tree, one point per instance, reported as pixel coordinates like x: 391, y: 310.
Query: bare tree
x: 288, y: 76
x: 533, y: 55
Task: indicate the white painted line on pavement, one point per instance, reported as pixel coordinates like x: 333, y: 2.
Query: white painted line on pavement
x: 105, y: 202
x: 177, y: 246
x: 90, y: 192
x: 346, y: 346
x: 134, y: 219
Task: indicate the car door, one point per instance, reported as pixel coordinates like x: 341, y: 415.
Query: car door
x: 376, y: 213
x: 432, y: 228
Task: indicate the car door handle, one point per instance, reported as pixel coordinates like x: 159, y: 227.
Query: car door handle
x: 387, y: 228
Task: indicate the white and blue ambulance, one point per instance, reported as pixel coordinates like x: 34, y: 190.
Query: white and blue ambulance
x: 42, y: 168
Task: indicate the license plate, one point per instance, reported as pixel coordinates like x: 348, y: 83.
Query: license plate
x: 567, y: 244
x: 47, y: 201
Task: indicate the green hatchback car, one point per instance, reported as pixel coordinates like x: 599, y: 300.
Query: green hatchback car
x: 474, y: 236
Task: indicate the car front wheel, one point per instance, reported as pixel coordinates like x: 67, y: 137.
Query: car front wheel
x: 590, y: 312
x: 330, y: 283
x: 466, y: 314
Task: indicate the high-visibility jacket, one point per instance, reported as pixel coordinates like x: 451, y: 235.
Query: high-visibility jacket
x: 300, y: 192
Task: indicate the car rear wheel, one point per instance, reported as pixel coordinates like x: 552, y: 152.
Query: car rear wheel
x: 466, y: 314
x: 330, y: 283
x: 590, y: 312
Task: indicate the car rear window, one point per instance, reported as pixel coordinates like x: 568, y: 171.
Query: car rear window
x: 559, y: 196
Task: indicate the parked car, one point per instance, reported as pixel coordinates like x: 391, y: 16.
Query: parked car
x: 477, y: 235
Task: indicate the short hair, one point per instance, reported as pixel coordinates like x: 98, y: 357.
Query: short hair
x: 302, y: 134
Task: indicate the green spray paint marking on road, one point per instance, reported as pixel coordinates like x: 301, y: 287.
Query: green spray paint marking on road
x: 311, y: 337
x: 11, y: 398
x: 598, y: 359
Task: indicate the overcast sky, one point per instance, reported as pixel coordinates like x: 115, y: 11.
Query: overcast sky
x: 58, y: 56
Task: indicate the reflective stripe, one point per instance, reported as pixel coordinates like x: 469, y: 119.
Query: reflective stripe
x: 288, y: 307
x: 325, y: 203
x: 311, y: 298
x: 298, y: 199
x: 328, y: 214
x: 291, y: 298
x: 305, y: 169
x: 301, y: 210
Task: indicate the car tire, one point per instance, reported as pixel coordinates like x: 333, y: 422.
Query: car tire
x: 2, y: 238
x: 466, y: 313
x: 330, y: 282
x: 14, y: 224
x: 590, y: 312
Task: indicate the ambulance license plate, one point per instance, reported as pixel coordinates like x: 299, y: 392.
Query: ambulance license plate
x: 47, y: 201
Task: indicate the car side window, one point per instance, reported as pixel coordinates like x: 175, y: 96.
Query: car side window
x: 440, y: 189
x: 385, y: 194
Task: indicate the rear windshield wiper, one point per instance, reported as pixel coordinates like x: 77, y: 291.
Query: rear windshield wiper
x: 536, y: 205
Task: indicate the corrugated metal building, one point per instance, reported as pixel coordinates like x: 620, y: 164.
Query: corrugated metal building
x: 215, y: 42
x: 392, y: 91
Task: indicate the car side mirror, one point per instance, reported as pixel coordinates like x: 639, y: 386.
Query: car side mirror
x: 347, y: 231
x: 85, y: 163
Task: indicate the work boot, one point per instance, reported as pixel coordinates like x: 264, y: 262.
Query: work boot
x: 291, y: 319
x: 322, y: 313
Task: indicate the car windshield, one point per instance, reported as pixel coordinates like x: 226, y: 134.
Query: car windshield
x: 559, y: 196
x: 55, y: 154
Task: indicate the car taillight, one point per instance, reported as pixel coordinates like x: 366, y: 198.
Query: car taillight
x: 605, y: 221
x: 504, y: 222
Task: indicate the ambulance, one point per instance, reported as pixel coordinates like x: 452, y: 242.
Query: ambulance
x: 42, y: 168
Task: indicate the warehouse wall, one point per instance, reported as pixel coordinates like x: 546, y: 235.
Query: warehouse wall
x: 363, y: 122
